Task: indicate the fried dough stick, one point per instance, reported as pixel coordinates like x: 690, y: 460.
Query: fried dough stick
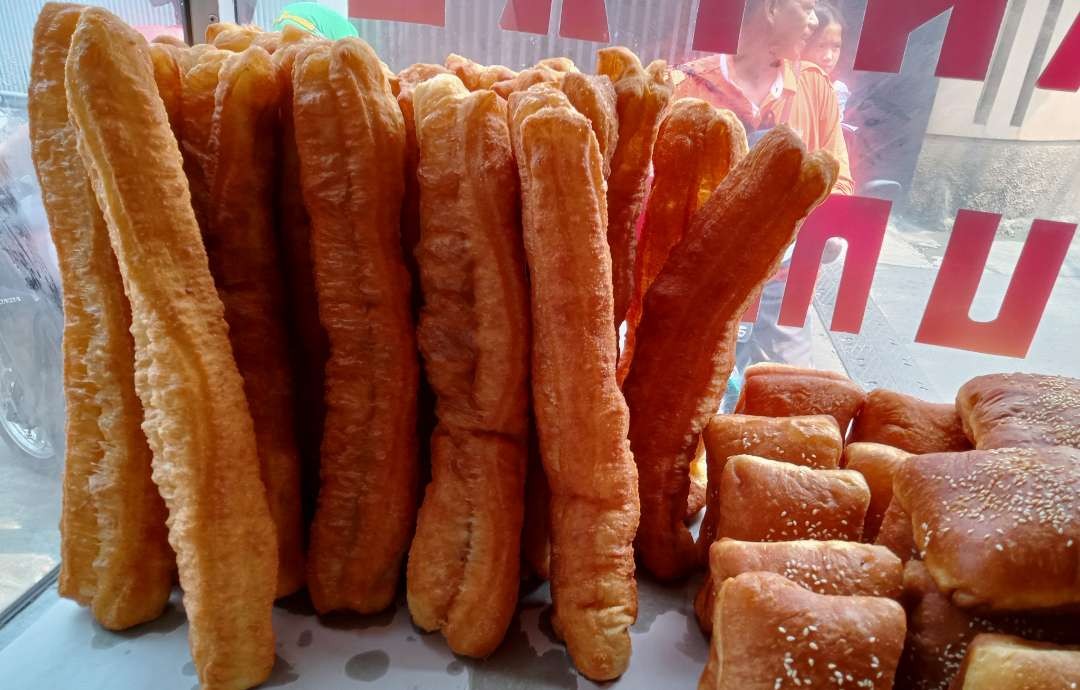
x: 696, y: 147
x: 476, y: 76
x: 197, y: 421
x: 351, y: 139
x: 115, y: 552
x: 474, y: 335
x: 594, y: 97
x: 580, y: 413
x: 732, y: 246
x: 643, y: 95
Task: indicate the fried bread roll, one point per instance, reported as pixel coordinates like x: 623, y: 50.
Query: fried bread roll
x: 476, y: 76
x: 769, y: 632
x: 474, y: 335
x: 825, y: 567
x: 1000, y: 529
x: 196, y: 416
x: 895, y: 532
x: 351, y: 139
x: 675, y: 384
x: 877, y: 463
x: 775, y: 390
x: 1004, y: 662
x: 115, y: 555
x: 910, y: 424
x: 697, y: 145
x: 1020, y: 411
x: 642, y: 96
x: 766, y: 500
x: 812, y: 441
x: 594, y: 97
x: 580, y: 413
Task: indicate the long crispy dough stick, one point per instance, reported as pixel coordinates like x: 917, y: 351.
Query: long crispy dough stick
x: 351, y: 139
x: 733, y: 244
x: 643, y: 94
x: 474, y: 335
x: 696, y: 148
x: 242, y: 248
x: 594, y: 97
x: 580, y: 413
x: 197, y: 423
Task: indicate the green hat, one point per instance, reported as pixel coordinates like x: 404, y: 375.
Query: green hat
x: 315, y: 19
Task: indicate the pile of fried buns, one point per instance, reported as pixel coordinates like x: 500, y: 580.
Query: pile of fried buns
x: 327, y: 325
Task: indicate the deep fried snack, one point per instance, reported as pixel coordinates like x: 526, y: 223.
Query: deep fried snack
x: 594, y: 97
x: 559, y: 64
x: 1020, y: 411
x: 910, y: 424
x: 198, y: 88
x: 808, y: 441
x: 696, y: 147
x: 526, y: 78
x: 699, y: 480
x: 1004, y: 662
x: 1000, y: 529
x: 536, y: 530
x: 895, y: 532
x: 939, y: 632
x: 236, y: 40
x: 215, y: 29
x: 642, y: 96
x: 474, y: 335
x: 351, y: 139
x: 114, y: 548
x: 168, y: 40
x: 783, y: 391
x: 768, y: 631
x: 766, y: 500
x: 580, y: 413
x: 825, y: 567
x: 476, y: 76
x: 675, y: 383
x: 196, y: 417
x: 167, y: 77
x: 242, y: 248
x: 877, y: 463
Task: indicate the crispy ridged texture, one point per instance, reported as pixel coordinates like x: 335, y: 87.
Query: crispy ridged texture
x: 474, y: 334
x: 526, y: 78
x: 197, y: 421
x: 536, y: 531
x: 167, y: 77
x: 642, y: 96
x: 594, y: 97
x: 223, y: 31
x: 476, y: 76
x: 675, y: 384
x: 199, y: 74
x: 351, y: 139
x: 242, y: 248
x: 696, y: 147
x: 168, y: 40
x: 580, y: 414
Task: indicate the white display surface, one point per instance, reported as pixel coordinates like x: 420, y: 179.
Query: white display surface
x: 65, y: 649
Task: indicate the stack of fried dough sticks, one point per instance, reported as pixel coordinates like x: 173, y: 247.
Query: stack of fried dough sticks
x: 241, y: 227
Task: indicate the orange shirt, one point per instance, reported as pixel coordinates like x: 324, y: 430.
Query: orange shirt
x: 802, y: 98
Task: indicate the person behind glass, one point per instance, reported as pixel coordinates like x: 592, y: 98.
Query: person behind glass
x: 765, y: 85
x: 823, y: 48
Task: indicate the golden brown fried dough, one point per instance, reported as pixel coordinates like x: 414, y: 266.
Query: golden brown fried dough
x: 1020, y: 411
x: 769, y: 632
x: 167, y: 76
x: 580, y: 413
x: 526, y: 78
x: 236, y: 40
x: 1004, y: 662
x: 536, y: 531
x: 877, y: 463
x: 114, y: 548
x: 808, y: 441
x: 699, y: 482
x: 559, y: 64
x: 697, y: 145
x: 896, y: 534
x: 198, y: 88
x: 1000, y: 529
x: 594, y: 97
x: 781, y: 391
x: 474, y: 335
x: 675, y: 383
x: 351, y: 139
x: 476, y: 76
x: 197, y: 422
x: 910, y: 424
x: 825, y: 567
x: 168, y: 40
x: 766, y: 500
x: 642, y: 96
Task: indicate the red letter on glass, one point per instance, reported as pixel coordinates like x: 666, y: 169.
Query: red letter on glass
x: 530, y: 16
x: 965, y: 52
x: 862, y: 222
x: 584, y: 19
x: 1063, y: 71
x: 946, y: 320
x: 718, y: 24
x: 414, y: 11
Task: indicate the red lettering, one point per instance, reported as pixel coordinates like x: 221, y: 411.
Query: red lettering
x: 947, y: 320
x: 862, y: 222
x: 965, y: 52
x: 1062, y: 73
x: 584, y: 19
x: 718, y: 25
x: 413, y: 11
x: 530, y: 16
